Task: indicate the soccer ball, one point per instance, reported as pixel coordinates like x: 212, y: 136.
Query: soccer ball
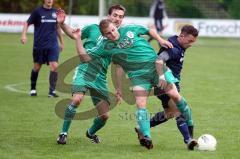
x: 207, y: 142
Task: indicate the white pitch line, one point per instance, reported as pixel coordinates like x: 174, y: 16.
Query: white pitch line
x: 12, y: 87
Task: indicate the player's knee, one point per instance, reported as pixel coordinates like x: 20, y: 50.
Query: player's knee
x: 141, y: 101
x: 76, y: 100
x: 175, y: 96
x: 105, y: 116
x: 37, y: 68
x: 53, y: 66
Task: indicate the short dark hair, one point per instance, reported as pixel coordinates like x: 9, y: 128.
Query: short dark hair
x: 189, y: 29
x: 116, y: 7
x: 104, y: 24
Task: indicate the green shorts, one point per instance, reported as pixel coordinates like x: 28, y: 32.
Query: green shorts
x: 96, y: 95
x: 92, y: 85
x: 148, y: 80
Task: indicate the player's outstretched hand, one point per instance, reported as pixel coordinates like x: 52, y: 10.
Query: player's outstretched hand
x: 76, y: 33
x: 23, y: 39
x: 166, y: 44
x: 60, y: 16
x: 162, y: 82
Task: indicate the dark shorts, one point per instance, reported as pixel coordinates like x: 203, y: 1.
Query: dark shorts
x: 44, y: 56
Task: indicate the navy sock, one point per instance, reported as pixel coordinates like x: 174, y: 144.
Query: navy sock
x: 33, y: 78
x: 190, y: 129
x: 158, y: 118
x: 183, y: 128
x: 52, y: 81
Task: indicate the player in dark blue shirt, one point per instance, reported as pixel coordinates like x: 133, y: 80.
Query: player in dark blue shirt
x: 173, y: 58
x: 45, y: 47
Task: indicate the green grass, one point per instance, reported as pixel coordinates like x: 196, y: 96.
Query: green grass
x: 29, y: 126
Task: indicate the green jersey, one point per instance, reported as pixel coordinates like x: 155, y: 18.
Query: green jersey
x: 93, y: 73
x: 133, y: 53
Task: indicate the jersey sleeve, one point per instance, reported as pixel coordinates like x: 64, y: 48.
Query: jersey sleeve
x: 173, y: 53
x: 141, y: 30
x: 87, y: 29
x: 33, y: 17
x: 85, y: 32
x: 98, y: 50
x: 138, y: 29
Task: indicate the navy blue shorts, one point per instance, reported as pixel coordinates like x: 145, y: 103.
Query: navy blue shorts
x: 44, y: 56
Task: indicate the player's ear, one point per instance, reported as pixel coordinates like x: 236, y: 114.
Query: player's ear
x: 182, y: 35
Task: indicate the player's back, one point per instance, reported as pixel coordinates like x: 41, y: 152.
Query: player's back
x: 96, y: 68
x: 133, y: 45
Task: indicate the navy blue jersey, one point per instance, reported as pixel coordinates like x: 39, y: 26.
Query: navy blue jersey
x: 176, y: 57
x: 45, y: 28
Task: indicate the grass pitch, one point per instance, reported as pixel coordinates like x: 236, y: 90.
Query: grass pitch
x: 29, y: 126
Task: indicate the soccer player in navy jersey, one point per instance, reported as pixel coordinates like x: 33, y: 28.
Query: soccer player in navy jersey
x: 45, y: 47
x: 175, y: 105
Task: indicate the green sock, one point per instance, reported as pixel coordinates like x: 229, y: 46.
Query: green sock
x: 98, y: 123
x: 68, y: 116
x: 186, y: 111
x: 143, y: 121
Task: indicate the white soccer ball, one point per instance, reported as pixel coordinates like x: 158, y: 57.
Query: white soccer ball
x: 207, y: 142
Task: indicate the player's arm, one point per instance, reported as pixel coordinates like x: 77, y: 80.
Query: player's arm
x: 60, y: 37
x: 24, y: 33
x: 162, y: 58
x: 153, y: 33
x: 60, y: 19
x: 84, y: 57
x: 31, y: 20
x: 119, y: 74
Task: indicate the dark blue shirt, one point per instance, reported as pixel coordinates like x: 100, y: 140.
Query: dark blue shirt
x: 176, y: 57
x: 45, y: 28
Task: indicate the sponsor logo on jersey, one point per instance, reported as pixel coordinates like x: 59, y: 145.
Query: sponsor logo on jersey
x: 130, y: 34
x: 54, y: 15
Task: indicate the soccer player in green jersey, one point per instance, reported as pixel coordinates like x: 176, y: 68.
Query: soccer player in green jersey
x: 131, y: 51
x: 90, y: 76
x: 172, y: 102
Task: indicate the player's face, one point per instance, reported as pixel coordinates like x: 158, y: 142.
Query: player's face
x: 116, y: 17
x: 111, y: 32
x: 187, y: 40
x: 48, y: 3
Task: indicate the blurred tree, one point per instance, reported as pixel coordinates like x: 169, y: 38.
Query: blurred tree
x: 26, y: 6
x: 86, y: 7
x: 184, y: 8
x: 181, y: 8
x: 234, y: 9
x: 133, y: 7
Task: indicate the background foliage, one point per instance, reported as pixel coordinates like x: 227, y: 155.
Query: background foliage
x: 175, y: 8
